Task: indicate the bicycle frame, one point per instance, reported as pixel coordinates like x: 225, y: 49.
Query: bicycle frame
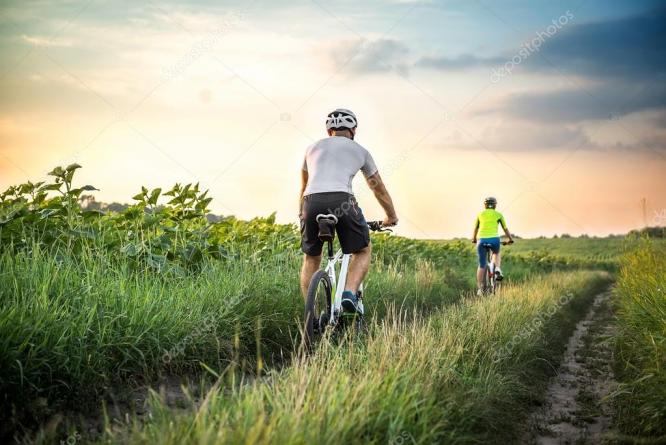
x: 333, y: 261
x: 336, y: 278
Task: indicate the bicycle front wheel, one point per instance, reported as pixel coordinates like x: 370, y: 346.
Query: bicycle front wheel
x: 317, y: 308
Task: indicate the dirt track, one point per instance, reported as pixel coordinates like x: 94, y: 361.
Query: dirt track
x: 576, y: 410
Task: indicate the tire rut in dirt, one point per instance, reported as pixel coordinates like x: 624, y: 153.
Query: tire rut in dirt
x: 576, y: 410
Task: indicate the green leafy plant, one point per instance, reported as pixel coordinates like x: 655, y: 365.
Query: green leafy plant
x: 29, y: 215
x: 166, y: 232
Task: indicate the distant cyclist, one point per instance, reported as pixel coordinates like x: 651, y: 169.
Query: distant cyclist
x: 486, y: 229
x: 328, y: 169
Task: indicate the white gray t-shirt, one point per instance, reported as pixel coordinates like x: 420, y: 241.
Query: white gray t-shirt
x: 333, y: 162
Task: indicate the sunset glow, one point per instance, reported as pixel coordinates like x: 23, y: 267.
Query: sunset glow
x: 570, y: 137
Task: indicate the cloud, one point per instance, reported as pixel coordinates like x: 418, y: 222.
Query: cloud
x: 622, y: 64
x: 630, y: 48
x: 509, y: 135
x: 46, y: 41
x: 606, y: 101
x: 464, y: 61
x: 656, y: 144
x: 370, y: 56
x: 660, y: 120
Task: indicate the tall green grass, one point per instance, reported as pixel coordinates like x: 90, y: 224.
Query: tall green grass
x: 73, y: 324
x: 641, y: 342
x: 76, y: 326
x: 465, y: 374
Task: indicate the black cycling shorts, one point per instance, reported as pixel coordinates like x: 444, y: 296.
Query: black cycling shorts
x: 351, y: 228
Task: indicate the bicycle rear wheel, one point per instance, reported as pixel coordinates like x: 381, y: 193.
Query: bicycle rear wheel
x: 317, y: 308
x: 489, y: 280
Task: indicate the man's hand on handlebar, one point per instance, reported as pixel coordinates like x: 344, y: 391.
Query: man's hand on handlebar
x: 504, y: 243
x: 378, y: 226
x: 390, y: 221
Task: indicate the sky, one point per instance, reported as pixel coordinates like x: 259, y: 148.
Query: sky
x: 556, y: 108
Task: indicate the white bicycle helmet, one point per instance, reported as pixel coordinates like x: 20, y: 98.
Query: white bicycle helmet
x: 341, y: 118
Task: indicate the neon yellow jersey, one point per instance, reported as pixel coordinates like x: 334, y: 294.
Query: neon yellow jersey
x: 487, y: 221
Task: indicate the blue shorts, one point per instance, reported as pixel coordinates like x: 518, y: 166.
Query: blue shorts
x: 494, y: 244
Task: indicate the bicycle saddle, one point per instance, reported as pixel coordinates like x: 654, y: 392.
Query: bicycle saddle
x: 326, y: 226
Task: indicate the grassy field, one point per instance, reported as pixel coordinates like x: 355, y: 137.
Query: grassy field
x: 464, y: 374
x: 580, y: 247
x: 84, y: 322
x: 94, y: 306
x: 76, y: 325
x: 586, y: 252
x: 641, y: 343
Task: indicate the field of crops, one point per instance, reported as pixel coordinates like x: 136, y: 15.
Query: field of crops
x: 94, y: 306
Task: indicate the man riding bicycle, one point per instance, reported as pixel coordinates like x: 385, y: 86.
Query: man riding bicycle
x: 485, y: 227
x: 328, y: 170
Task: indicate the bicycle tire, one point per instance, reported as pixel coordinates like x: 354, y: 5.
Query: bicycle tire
x: 315, y: 310
x: 488, y: 277
x: 360, y: 328
x: 490, y: 281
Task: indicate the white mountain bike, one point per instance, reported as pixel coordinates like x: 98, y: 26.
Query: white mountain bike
x: 323, y: 305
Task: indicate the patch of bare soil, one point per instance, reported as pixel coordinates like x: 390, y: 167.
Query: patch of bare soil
x: 177, y: 393
x: 119, y: 409
x: 576, y: 410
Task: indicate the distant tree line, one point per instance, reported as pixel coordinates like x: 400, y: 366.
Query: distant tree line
x: 651, y: 232
x: 88, y: 202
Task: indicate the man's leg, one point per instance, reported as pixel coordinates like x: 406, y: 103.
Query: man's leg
x: 497, y: 259
x: 480, y: 272
x: 354, y: 237
x: 358, y: 269
x: 310, y: 266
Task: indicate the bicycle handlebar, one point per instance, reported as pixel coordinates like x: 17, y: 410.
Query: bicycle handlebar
x: 504, y: 243
x: 377, y: 226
